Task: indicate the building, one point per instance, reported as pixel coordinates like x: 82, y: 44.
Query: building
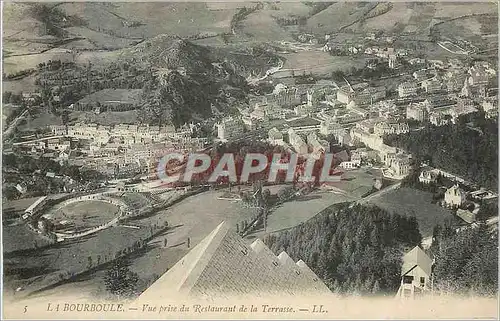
x: 343, y: 137
x: 421, y: 75
x: 283, y: 96
x: 385, y: 128
x: 330, y: 127
x: 370, y: 140
x: 439, y: 102
x: 479, y: 74
x: 392, y: 61
x: 465, y: 91
x: 490, y: 107
x: 58, y: 144
x: 431, y: 85
x: 124, y: 133
x: 367, y: 125
x: 407, y: 89
x: 417, y: 111
x: 349, y: 165
x: 297, y: 142
x: 454, y: 80
x: 427, y: 177
x: 229, y: 128
x: 454, y: 196
x: 467, y: 216
x: 305, y: 124
x: 318, y: 146
x: 370, y: 95
x: 223, y: 266
x: 259, y: 112
x: 416, y: 274
x: 35, y: 207
x: 275, y: 137
x: 59, y: 130
x: 303, y: 110
x: 345, y: 95
x: 361, y: 94
x: 439, y: 119
x: 358, y: 155
x: 399, y: 164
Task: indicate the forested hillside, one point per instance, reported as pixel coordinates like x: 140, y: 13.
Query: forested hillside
x: 466, y: 261
x: 465, y: 149
x: 353, y: 249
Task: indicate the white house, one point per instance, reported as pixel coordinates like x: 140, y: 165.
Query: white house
x: 275, y: 137
x: 427, y: 177
x: 454, y: 196
x: 229, y: 128
x: 407, y: 89
x: 349, y: 165
x: 415, y: 274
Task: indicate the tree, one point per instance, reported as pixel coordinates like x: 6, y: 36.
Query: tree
x: 376, y: 287
x: 65, y: 117
x: 120, y: 280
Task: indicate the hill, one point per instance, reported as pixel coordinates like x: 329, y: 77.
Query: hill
x: 30, y: 27
x: 180, y: 80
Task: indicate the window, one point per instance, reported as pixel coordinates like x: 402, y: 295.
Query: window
x: 422, y: 281
x: 407, y: 279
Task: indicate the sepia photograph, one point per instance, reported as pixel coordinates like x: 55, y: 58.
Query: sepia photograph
x: 249, y: 160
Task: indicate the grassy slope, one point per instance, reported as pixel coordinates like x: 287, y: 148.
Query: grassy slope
x: 406, y: 201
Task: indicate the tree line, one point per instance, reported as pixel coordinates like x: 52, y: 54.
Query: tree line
x: 354, y: 249
x: 466, y: 261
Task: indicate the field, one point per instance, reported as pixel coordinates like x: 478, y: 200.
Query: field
x: 355, y: 185
x: 105, y: 26
x: 20, y: 237
x: 113, y: 96
x: 15, y: 64
x: 301, y: 209
x: 106, y: 118
x: 26, y: 84
x: 41, y: 120
x: 318, y: 63
x: 337, y: 16
x: 406, y: 201
x: 83, y: 215
x: 252, y: 28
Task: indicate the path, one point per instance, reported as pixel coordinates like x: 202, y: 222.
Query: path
x: 379, y: 193
x: 10, y: 130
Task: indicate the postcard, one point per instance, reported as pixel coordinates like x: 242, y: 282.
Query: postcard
x: 249, y: 160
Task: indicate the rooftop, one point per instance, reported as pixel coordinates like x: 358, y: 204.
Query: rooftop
x: 306, y: 121
x: 223, y: 265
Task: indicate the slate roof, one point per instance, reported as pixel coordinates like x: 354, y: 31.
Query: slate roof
x: 416, y: 257
x: 223, y: 266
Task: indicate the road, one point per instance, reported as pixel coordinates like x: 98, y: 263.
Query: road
x: 10, y: 130
x: 269, y: 72
x: 379, y: 193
